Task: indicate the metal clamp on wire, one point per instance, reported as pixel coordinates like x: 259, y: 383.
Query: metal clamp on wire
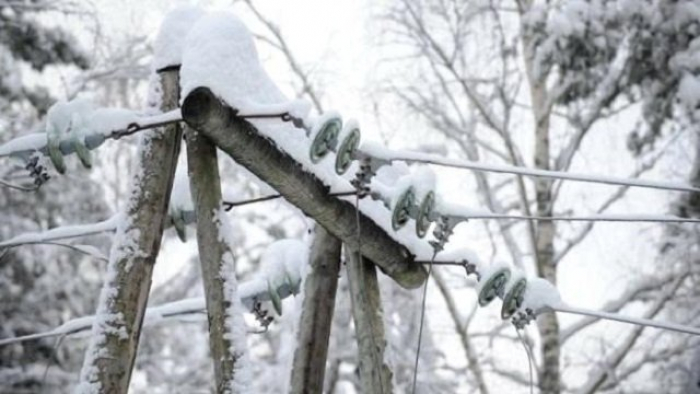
x: 522, y: 319
x: 444, y: 228
x: 363, y: 177
x: 37, y: 171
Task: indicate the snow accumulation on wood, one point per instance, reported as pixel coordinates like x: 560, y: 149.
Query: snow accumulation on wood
x: 220, y: 54
x: 169, y: 43
x: 233, y: 321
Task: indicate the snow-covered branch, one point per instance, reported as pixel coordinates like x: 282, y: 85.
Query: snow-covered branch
x: 604, y: 94
x: 250, y: 292
x: 63, y: 232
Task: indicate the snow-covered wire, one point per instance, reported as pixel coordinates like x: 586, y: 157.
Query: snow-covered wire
x: 594, y: 218
x: 624, y: 319
x: 30, y: 143
x: 425, y: 158
x: 66, y: 232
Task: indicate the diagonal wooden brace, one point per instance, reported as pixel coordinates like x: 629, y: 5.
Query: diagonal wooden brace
x: 206, y: 113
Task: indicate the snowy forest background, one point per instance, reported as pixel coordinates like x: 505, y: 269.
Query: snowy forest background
x: 607, y: 87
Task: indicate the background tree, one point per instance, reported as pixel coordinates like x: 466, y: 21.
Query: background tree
x: 41, y: 286
x: 528, y: 83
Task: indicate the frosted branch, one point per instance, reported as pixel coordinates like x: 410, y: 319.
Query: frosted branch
x: 250, y: 292
x: 64, y: 232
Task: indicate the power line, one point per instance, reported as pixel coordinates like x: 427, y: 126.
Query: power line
x: 595, y: 218
x: 624, y: 319
x: 419, y: 157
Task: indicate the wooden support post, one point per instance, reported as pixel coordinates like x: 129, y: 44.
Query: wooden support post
x: 114, y: 343
x: 240, y: 140
x: 320, y: 287
x: 205, y: 185
x: 375, y: 375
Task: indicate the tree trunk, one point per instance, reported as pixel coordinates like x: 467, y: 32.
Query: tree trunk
x: 240, y: 140
x: 548, y: 325
x: 115, y: 334
x: 375, y: 375
x: 216, y: 260
x: 320, y: 287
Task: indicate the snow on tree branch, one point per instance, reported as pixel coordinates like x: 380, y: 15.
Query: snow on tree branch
x: 282, y: 281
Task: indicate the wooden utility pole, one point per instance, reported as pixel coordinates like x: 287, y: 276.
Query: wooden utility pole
x: 320, y: 287
x: 110, y: 358
x: 375, y: 375
x: 240, y: 140
x: 214, y: 254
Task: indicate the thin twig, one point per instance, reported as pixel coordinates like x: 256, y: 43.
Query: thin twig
x: 18, y: 187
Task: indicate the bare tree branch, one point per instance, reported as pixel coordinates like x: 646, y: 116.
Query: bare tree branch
x: 280, y: 43
x: 598, y: 377
x: 462, y: 328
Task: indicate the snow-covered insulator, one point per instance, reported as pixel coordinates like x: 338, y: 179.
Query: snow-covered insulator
x: 177, y: 217
x: 494, y: 285
x: 425, y: 211
x: 402, y: 208
x: 274, y: 298
x: 81, y: 150
x: 53, y: 146
x: 325, y: 138
x: 349, y: 142
x: 513, y: 300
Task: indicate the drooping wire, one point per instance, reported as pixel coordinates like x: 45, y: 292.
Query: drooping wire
x: 530, y: 360
x: 422, y: 321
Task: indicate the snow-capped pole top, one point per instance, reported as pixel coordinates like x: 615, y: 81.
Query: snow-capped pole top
x: 220, y: 54
x: 170, y: 40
